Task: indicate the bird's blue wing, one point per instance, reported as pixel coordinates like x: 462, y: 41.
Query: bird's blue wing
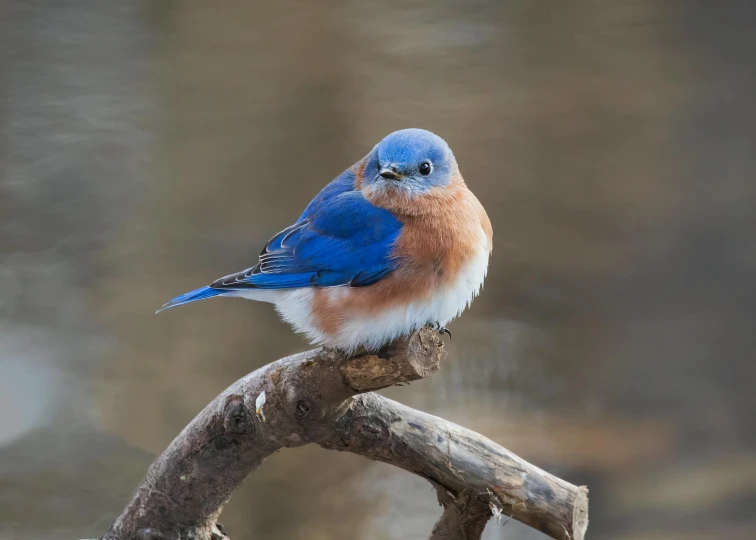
x: 340, y: 239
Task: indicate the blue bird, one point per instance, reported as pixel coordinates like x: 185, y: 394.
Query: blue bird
x: 394, y: 243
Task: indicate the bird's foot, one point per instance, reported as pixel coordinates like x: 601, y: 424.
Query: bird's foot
x: 442, y: 329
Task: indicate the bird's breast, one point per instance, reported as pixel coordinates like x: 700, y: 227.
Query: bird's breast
x: 441, y: 260
x: 434, y: 245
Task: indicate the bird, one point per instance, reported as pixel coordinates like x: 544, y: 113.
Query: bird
x: 395, y: 243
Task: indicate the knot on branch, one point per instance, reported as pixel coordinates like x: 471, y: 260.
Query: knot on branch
x: 371, y: 432
x: 306, y: 410
x: 303, y: 408
x: 237, y: 418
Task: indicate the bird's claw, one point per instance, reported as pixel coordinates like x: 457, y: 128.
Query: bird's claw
x: 441, y: 329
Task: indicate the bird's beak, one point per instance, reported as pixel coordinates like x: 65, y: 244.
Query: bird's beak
x: 390, y: 173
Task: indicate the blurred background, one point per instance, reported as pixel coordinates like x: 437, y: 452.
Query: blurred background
x: 149, y: 147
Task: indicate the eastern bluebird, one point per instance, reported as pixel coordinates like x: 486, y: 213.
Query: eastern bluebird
x: 394, y: 243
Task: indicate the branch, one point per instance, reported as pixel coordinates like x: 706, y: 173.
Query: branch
x: 318, y: 397
x: 463, y: 518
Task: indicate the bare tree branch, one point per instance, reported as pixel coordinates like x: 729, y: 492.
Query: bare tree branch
x: 317, y: 397
x: 463, y: 518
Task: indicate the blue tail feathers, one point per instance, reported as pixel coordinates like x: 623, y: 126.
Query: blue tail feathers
x: 192, y: 296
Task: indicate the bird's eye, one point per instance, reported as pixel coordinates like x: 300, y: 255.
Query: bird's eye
x: 425, y: 168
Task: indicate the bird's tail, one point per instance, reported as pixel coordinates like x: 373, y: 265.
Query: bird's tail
x: 192, y: 296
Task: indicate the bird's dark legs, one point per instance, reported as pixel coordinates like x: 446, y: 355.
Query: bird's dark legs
x: 441, y: 329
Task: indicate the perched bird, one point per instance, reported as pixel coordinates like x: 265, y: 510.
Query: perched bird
x: 394, y: 243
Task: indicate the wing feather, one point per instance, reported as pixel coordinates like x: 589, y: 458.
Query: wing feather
x: 341, y: 239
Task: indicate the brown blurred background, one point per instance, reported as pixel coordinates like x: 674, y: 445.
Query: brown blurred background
x: 148, y: 147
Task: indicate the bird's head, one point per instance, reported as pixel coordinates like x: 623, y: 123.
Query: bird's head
x: 408, y: 164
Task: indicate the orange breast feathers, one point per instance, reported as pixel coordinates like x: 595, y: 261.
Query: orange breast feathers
x: 443, y: 229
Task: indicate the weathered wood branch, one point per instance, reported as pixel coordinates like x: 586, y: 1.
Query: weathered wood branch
x: 464, y: 516
x: 319, y: 397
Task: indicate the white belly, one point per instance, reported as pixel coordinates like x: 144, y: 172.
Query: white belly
x: 445, y: 304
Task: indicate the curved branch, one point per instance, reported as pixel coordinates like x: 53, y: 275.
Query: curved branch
x: 460, y: 460
x: 316, y: 397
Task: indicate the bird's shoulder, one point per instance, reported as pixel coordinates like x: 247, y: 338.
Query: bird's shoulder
x: 341, y: 210
x: 340, y: 239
